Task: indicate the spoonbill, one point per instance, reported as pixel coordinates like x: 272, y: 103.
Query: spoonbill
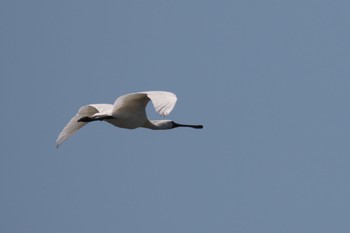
x: 128, y: 111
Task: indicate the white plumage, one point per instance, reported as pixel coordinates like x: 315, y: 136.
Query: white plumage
x: 128, y: 111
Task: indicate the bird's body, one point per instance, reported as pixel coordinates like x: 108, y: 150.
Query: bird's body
x: 128, y: 111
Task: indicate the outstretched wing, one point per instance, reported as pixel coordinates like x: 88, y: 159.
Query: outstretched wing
x: 73, y: 125
x: 163, y: 102
x: 135, y: 103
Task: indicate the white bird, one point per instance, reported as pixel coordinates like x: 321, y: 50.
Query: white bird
x: 128, y: 111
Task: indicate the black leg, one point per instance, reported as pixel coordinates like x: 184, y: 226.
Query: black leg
x: 89, y: 119
x: 85, y: 119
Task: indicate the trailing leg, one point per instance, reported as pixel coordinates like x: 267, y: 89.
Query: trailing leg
x: 99, y: 118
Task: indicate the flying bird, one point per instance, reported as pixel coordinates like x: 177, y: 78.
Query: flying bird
x: 128, y: 111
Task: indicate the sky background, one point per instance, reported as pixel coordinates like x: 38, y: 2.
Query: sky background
x: 269, y: 80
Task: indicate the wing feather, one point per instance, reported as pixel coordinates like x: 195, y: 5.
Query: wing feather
x: 163, y: 102
x: 73, y: 125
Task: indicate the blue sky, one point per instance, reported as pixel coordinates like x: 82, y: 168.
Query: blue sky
x: 269, y: 80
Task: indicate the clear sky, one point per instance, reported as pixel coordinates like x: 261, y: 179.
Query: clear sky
x: 269, y: 80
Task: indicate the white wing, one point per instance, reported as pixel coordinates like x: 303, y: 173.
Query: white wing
x: 136, y: 103
x: 163, y: 102
x: 73, y: 125
x: 133, y: 104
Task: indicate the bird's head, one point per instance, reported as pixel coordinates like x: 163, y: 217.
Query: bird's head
x: 169, y: 124
x: 163, y: 124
